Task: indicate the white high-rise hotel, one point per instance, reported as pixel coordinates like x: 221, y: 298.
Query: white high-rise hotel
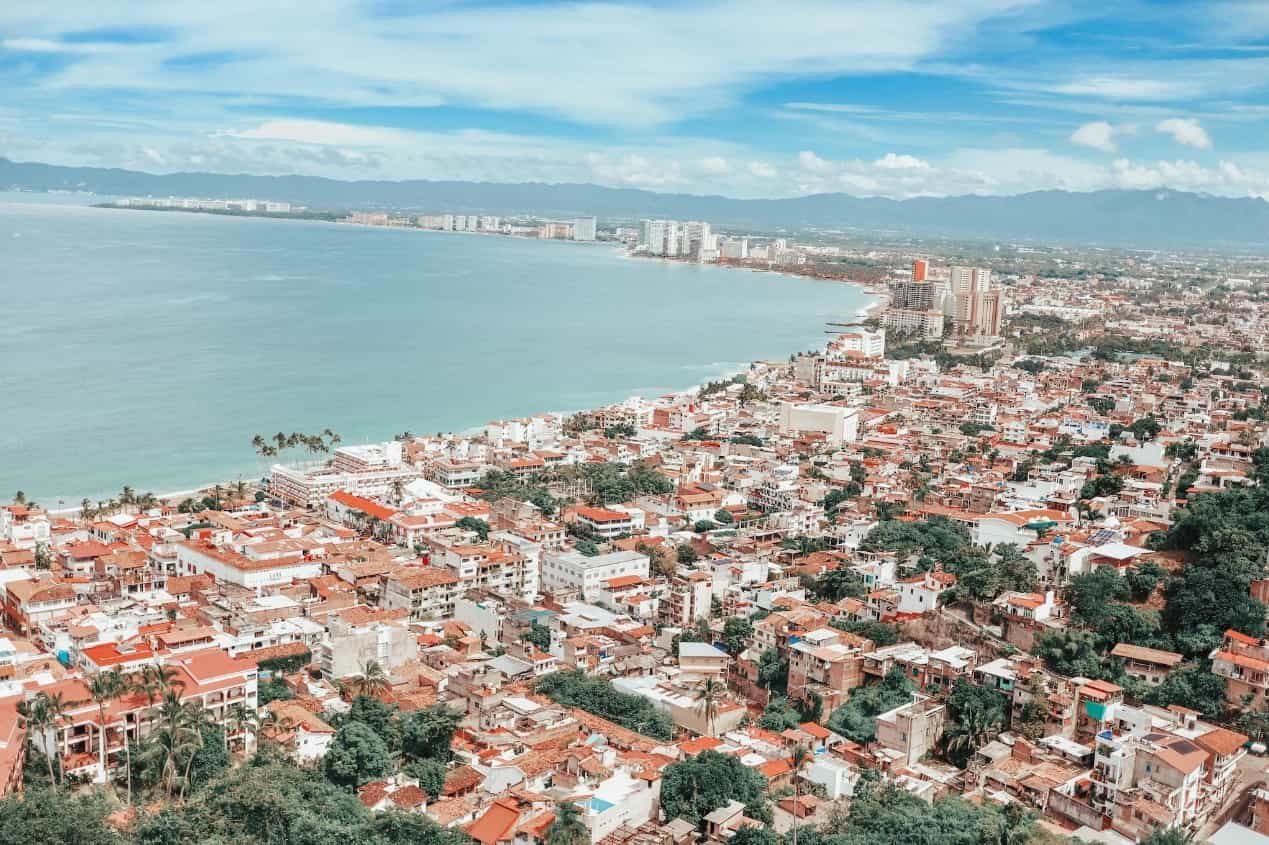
x: 672, y: 238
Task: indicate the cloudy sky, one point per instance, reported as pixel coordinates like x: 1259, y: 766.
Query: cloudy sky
x: 873, y: 97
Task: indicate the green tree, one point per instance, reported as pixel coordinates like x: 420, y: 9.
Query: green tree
x: 431, y: 774
x: 856, y: 719
x: 357, y: 755
x: 976, y: 713
x: 471, y: 523
x: 56, y: 816
x: 426, y: 733
x: 693, y: 788
x: 736, y: 633
x: 880, y: 633
x: 539, y: 635
x: 1192, y: 687
x: 569, y: 828
x: 773, y: 673
x: 573, y: 688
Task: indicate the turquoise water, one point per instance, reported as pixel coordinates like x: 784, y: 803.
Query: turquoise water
x: 146, y: 348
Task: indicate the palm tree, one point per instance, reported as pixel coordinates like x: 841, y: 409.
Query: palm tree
x: 568, y: 827
x: 176, y: 738
x: 104, y: 687
x: 127, y: 496
x: 43, y: 714
x: 237, y: 719
x: 372, y: 681
x: 970, y: 733
x: 85, y: 509
x: 196, y: 716
x: 19, y: 498
x: 709, y: 693
x: 797, y: 759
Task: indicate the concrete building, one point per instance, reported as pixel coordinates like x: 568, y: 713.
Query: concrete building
x: 913, y: 729
x: 359, y: 636
x: 840, y: 423
x: 576, y: 571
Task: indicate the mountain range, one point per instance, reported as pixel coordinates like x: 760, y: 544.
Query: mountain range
x: 1156, y: 219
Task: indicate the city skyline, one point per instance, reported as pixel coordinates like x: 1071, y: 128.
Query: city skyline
x: 726, y: 97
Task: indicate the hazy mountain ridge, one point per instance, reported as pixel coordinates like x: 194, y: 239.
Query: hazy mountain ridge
x: 1147, y: 218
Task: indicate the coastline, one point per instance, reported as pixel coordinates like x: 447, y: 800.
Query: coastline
x: 693, y: 374
x: 863, y: 313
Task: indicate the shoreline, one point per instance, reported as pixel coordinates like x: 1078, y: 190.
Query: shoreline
x: 167, y: 498
x: 69, y: 505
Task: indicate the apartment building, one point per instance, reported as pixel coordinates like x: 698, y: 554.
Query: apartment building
x: 92, y: 748
x: 361, y: 635
x: 828, y: 663
x: 576, y: 571
x: 425, y: 592
x: 1243, y: 662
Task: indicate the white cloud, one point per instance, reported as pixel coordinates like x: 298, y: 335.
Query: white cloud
x: 324, y: 132
x: 1186, y: 131
x: 715, y: 165
x: 1126, y: 88
x: 33, y: 45
x: 810, y: 161
x: 762, y: 170
x: 350, y: 52
x: 891, y: 161
x: 1098, y: 135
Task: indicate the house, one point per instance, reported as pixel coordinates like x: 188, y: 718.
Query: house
x: 1151, y: 665
x: 920, y: 594
x: 698, y: 661
x: 1243, y: 662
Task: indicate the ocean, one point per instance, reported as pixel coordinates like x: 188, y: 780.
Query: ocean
x: 145, y: 348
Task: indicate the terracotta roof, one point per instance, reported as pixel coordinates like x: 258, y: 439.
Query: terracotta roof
x: 1221, y: 741
x: 496, y: 823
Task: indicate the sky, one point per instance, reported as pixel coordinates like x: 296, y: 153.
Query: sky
x: 894, y: 98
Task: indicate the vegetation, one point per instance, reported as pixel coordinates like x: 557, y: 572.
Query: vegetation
x: 880, y: 633
x: 856, y: 719
x: 574, y: 688
x: 693, y: 788
x: 976, y: 714
x: 270, y: 447
x: 885, y: 813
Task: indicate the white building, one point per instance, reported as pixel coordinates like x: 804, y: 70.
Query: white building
x: 576, y: 571
x: 841, y: 424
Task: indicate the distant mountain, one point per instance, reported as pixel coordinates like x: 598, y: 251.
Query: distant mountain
x: 1153, y: 218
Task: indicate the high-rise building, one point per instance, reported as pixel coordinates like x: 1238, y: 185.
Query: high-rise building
x: 663, y: 237
x: 696, y: 237
x: 584, y: 229
x: 735, y: 248
x: 966, y: 284
x: 986, y: 313
x: 912, y: 294
x: 919, y: 270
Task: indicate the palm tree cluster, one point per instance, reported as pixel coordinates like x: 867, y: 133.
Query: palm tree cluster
x: 269, y: 447
x: 128, y: 499
x: 165, y: 754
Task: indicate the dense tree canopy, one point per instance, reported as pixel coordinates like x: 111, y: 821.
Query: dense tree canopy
x: 889, y: 814
x: 595, y: 695
x: 357, y: 755
x: 856, y: 719
x: 693, y: 788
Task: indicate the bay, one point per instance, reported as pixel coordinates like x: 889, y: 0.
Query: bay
x: 146, y: 348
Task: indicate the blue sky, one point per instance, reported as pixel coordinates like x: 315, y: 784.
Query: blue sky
x: 873, y: 97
